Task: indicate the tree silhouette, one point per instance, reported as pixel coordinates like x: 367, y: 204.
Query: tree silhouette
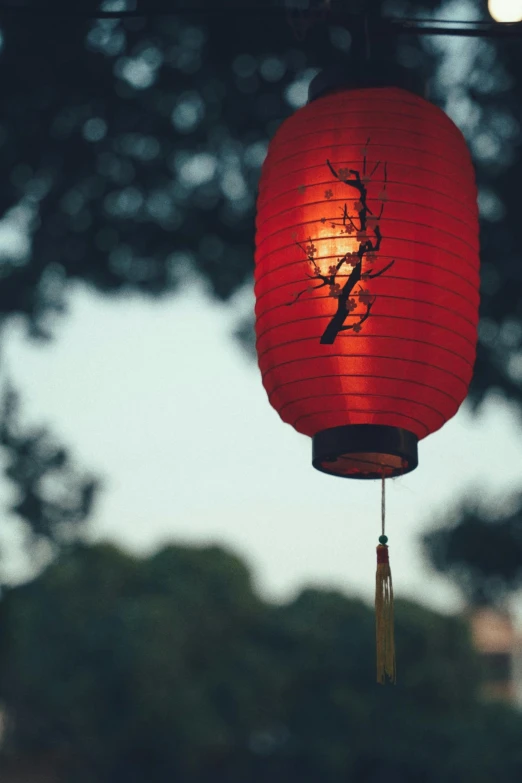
x: 479, y: 547
x: 359, y: 225
x: 54, y: 498
x: 172, y: 667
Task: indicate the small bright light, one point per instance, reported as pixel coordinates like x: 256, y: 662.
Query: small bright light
x: 505, y: 10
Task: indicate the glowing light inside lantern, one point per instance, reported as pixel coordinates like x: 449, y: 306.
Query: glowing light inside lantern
x: 332, y: 247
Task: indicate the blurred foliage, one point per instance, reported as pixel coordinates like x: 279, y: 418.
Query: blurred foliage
x: 134, y: 146
x: 480, y: 548
x: 171, y: 667
x: 53, y: 498
x: 479, y: 83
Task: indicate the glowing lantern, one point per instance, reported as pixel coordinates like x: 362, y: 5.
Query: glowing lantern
x: 367, y: 276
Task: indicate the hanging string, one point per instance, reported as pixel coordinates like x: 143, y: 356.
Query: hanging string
x: 302, y: 19
x: 387, y: 25
x: 367, y: 39
x: 383, y: 506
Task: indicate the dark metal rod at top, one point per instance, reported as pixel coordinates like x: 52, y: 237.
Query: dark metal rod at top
x: 385, y: 26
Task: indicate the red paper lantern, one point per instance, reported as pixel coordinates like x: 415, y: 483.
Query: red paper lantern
x: 367, y: 276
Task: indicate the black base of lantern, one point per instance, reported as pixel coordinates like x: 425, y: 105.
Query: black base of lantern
x: 343, y: 78
x: 365, y: 451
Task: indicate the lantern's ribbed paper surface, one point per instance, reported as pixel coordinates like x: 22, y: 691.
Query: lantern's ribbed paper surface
x: 367, y: 264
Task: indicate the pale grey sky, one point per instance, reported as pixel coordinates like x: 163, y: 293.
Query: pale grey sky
x: 157, y: 397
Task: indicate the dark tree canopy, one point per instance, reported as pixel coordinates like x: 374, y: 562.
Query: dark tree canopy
x: 54, y: 498
x: 480, y: 549
x: 171, y: 667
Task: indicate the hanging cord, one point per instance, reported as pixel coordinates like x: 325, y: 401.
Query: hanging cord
x: 383, y: 508
x: 388, y: 25
x: 384, y: 630
x: 367, y: 39
x: 302, y: 19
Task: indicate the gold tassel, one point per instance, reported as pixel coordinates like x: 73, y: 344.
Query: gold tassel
x: 386, y: 671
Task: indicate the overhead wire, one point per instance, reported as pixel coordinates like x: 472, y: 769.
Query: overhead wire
x: 384, y: 25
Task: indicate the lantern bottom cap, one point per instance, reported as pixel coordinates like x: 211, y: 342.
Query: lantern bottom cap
x: 365, y: 451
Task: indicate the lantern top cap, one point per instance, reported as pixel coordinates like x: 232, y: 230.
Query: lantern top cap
x: 339, y: 78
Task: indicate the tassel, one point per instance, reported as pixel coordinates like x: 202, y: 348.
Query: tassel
x: 386, y: 671
x: 384, y: 631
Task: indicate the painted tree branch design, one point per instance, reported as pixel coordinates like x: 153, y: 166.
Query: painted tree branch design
x: 357, y: 265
